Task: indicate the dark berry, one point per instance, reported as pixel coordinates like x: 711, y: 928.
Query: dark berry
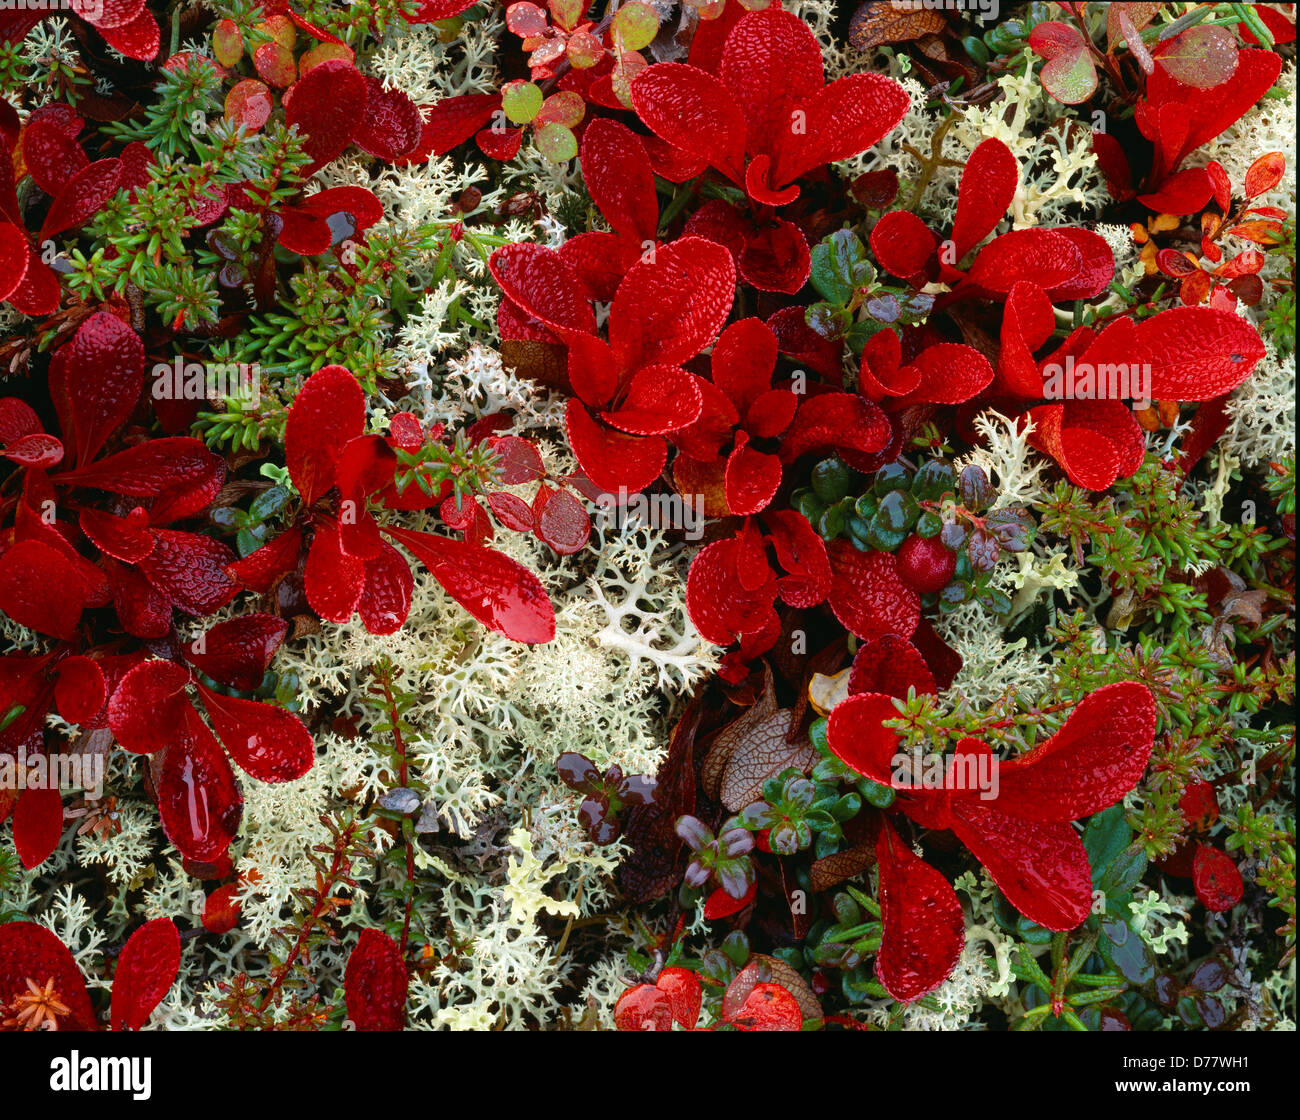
x: 925, y: 565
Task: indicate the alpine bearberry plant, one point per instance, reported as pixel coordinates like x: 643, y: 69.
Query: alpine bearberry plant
x: 720, y: 515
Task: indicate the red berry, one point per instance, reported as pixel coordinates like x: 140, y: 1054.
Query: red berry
x: 925, y: 565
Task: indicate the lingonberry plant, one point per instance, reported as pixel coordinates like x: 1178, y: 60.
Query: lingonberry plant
x: 719, y: 515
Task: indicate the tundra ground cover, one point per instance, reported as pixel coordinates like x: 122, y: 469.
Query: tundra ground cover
x: 727, y: 515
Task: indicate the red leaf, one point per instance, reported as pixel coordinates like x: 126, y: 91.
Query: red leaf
x: 902, y: 243
x: 613, y: 460
x: 271, y: 744
x: 95, y: 382
x: 948, y: 373
x: 357, y: 202
x: 81, y: 690
x: 391, y: 125
x: 1184, y: 192
x: 694, y: 112
x: 720, y: 607
x: 375, y: 983
x: 40, y: 588
x: 644, y: 1008
x: 14, y: 254
x: 1097, y: 756
x: 52, y: 156
x: 449, y: 123
x: 798, y: 341
x: 38, y: 825
x: 1216, y: 879
x: 1097, y: 268
x: 616, y: 171
x: 221, y: 909
x: 867, y: 595
x: 199, y: 802
x: 1202, y: 57
x: 238, y: 651
x: 304, y: 234
x: 890, y: 665
x: 1265, y: 174
x: 563, y: 522
x: 386, y: 598
x: 752, y: 480
x: 923, y: 927
x: 518, y: 460
x: 38, y: 291
x: 178, y: 472
x: 544, y: 286
x: 776, y: 258
x: 682, y: 987
x: 500, y: 593
x: 328, y: 411
x: 1044, y: 257
x: 988, y: 186
x: 669, y: 307
x: 31, y: 952
x: 1195, y: 353
x: 743, y: 360
x: 768, y: 1007
x: 1040, y: 866
x: 190, y: 570
x: 334, y: 581
x: 147, y: 967
x: 124, y: 538
x: 660, y: 399
x: 150, y: 707
x: 835, y: 420
x: 801, y: 552
x: 326, y: 105
x: 138, y: 39
x: 1069, y: 75
x: 261, y: 569
x: 720, y: 904
x: 83, y: 196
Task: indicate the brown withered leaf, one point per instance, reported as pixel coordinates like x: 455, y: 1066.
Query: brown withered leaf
x: 542, y: 362
x: 753, y: 749
x: 651, y: 868
x: 834, y: 869
x: 887, y: 22
x: 1245, y: 605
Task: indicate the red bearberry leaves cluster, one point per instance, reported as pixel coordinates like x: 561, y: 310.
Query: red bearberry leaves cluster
x: 1021, y: 834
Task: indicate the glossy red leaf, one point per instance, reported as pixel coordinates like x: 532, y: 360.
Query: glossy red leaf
x: 1265, y: 174
x: 146, y: 969
x: 670, y: 306
x: 1069, y: 74
x: 901, y: 243
x: 988, y: 187
x: 261, y: 569
x: 267, y: 742
x: 304, y: 234
x: 221, y: 909
x: 720, y: 607
x: 14, y: 253
x: 801, y: 553
x: 1043, y: 257
x: 1041, y: 866
x: 178, y: 472
x: 149, y: 709
x: 449, y: 123
x: 190, y: 570
x: 890, y: 665
x: 1217, y: 880
x: 1097, y: 266
x: 83, y: 196
x: 835, y: 420
x: 776, y: 257
x: 51, y: 156
x: 32, y: 953
x: 38, y: 825
x: 867, y: 595
x: 237, y: 652
x: 924, y: 930
x: 501, y: 593
x: 644, y: 1008
x: 80, y: 691
x: 327, y: 412
x: 391, y: 125
x: 1195, y: 353
x: 694, y: 112
x: 562, y: 522
x: 327, y: 106
x: 139, y: 39
x: 752, y: 479
x: 199, y: 802
x: 768, y: 1007
x: 375, y: 983
x: 518, y: 460
x: 616, y: 171
x: 685, y: 995
x: 611, y: 459
x: 798, y: 341
x: 1184, y: 192
x: 659, y: 399
x: 948, y: 373
x: 720, y: 904
x: 38, y: 291
x: 333, y: 580
x: 743, y: 360
x: 95, y: 381
x: 40, y: 588
x: 544, y: 286
x: 386, y: 597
